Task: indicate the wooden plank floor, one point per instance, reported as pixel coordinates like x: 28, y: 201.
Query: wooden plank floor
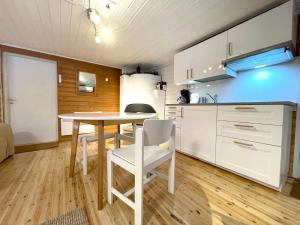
x: 35, y: 187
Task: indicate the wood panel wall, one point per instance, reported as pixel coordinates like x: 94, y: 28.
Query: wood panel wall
x: 107, y: 97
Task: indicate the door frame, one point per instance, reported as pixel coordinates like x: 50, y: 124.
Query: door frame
x: 5, y: 105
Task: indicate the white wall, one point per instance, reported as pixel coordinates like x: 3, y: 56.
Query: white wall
x: 173, y: 91
x: 274, y: 83
x: 140, y: 88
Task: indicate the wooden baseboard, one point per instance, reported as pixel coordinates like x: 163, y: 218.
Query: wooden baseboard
x: 35, y: 147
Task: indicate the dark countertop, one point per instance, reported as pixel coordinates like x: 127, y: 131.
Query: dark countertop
x: 239, y: 103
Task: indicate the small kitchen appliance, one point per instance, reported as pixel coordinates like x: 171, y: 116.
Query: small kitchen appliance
x: 185, y: 97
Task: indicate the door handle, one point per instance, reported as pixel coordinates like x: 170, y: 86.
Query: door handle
x: 242, y: 143
x: 11, y: 100
x: 229, y: 48
x: 187, y: 74
x: 243, y: 126
x: 192, y: 73
x: 245, y: 108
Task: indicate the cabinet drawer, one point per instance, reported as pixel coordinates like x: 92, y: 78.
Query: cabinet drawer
x: 257, y: 161
x: 176, y: 119
x: 173, y: 114
x: 263, y: 114
x: 177, y: 139
x: 267, y: 134
x: 173, y: 108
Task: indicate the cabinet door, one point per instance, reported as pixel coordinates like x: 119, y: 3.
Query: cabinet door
x: 271, y: 28
x: 198, y: 131
x: 254, y: 160
x: 182, y: 67
x: 207, y: 57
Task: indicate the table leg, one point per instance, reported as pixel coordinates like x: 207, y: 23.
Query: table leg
x: 118, y: 140
x: 76, y: 124
x: 101, y: 149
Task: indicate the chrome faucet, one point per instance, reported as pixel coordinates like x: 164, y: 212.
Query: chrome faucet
x: 214, y: 98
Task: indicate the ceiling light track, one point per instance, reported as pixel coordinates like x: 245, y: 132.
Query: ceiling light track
x: 94, y: 15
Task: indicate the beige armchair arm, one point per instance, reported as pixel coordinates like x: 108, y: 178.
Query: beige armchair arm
x: 6, y: 134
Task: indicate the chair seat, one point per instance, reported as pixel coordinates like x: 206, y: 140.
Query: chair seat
x: 91, y: 137
x: 151, y: 154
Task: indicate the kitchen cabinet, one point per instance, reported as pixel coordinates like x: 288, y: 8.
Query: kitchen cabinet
x: 250, y: 140
x: 174, y: 112
x: 202, y: 61
x: 182, y: 67
x: 206, y: 57
x: 268, y: 29
x: 254, y: 141
x: 257, y: 161
x: 198, y: 131
x: 263, y: 114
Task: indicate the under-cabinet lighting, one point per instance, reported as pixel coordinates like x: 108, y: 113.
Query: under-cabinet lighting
x: 261, y: 66
x: 263, y: 59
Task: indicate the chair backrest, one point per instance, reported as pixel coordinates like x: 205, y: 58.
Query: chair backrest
x: 139, y: 108
x: 157, y: 131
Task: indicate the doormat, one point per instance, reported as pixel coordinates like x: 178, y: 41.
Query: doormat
x: 75, y: 217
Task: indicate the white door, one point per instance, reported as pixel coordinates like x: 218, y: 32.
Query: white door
x: 182, y: 67
x: 198, y: 131
x: 271, y: 28
x: 207, y: 57
x: 30, y: 95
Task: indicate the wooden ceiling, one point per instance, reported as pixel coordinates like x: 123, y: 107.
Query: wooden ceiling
x: 148, y: 32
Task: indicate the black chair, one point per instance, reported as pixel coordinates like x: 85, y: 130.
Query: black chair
x: 139, y: 108
x: 133, y: 108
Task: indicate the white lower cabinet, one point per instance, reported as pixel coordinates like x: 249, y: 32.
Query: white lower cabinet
x: 250, y: 140
x: 260, y: 162
x: 198, y: 131
x: 254, y: 141
x: 177, y: 139
x: 174, y: 113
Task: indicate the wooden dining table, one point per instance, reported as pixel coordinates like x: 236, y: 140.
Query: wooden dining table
x: 100, y: 120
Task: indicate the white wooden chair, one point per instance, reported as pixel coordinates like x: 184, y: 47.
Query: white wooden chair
x: 88, y: 138
x: 141, y: 159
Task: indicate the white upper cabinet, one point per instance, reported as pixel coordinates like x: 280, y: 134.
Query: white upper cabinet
x: 268, y: 29
x: 182, y: 66
x: 202, y: 61
x: 206, y: 57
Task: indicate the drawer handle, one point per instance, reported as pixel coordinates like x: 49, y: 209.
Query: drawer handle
x: 244, y: 108
x: 172, y: 107
x: 241, y: 143
x: 172, y: 113
x: 243, y: 126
